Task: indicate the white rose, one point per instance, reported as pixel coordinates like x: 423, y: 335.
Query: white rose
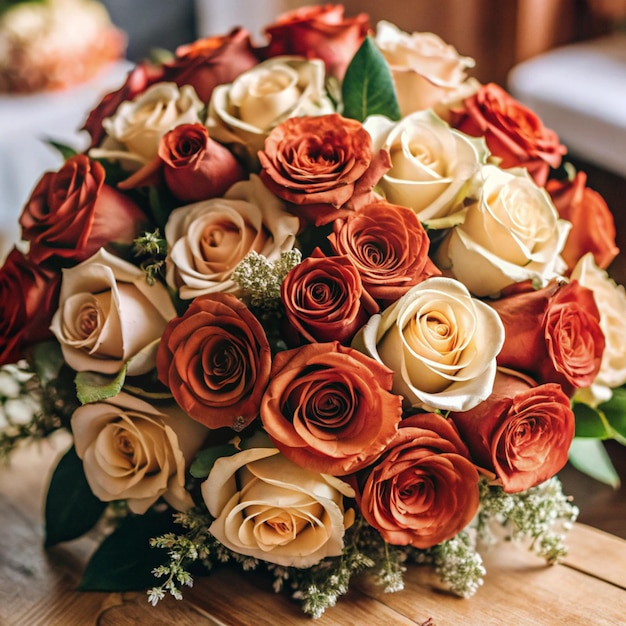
x: 611, y: 302
x: 268, y: 508
x: 432, y: 165
x: 135, y: 130
x: 110, y: 315
x: 208, y: 239
x: 244, y: 112
x: 440, y: 343
x: 426, y: 71
x: 132, y: 451
x: 511, y: 234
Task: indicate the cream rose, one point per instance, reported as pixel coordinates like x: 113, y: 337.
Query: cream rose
x: 132, y: 451
x: 426, y: 71
x: 207, y: 240
x: 110, y: 315
x: 511, y: 234
x: 432, y: 165
x: 611, y: 302
x: 440, y: 343
x: 244, y: 112
x: 134, y: 131
x: 269, y: 508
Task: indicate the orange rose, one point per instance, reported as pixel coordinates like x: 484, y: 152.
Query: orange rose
x: 72, y: 213
x: 322, y: 164
x: 513, y: 132
x: 593, y: 226
x: 424, y: 489
x: 329, y: 408
x: 521, y: 433
x: 216, y: 360
x: 388, y: 245
x: 318, y: 32
x: 552, y: 334
x: 324, y: 299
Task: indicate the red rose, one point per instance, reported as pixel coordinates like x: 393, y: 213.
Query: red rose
x: 28, y: 300
x: 72, y: 213
x: 321, y: 165
x: 211, y: 61
x: 318, y: 32
x: 329, y: 408
x: 513, y: 132
x: 388, y: 245
x: 552, y: 334
x: 324, y: 299
x: 193, y: 166
x: 522, y: 433
x: 216, y: 360
x: 593, y: 226
x: 424, y: 489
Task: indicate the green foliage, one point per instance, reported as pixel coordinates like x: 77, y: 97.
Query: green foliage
x: 204, y: 461
x: 93, y: 387
x: 368, y: 87
x: 590, y: 457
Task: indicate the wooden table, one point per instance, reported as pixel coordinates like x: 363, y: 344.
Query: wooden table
x: 37, y: 586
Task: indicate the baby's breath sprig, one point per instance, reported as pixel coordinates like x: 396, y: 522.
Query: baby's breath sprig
x: 151, y: 250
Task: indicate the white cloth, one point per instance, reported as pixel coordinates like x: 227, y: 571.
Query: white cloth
x: 579, y: 91
x: 26, y: 122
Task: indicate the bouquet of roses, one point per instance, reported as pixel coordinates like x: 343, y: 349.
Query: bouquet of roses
x: 319, y: 306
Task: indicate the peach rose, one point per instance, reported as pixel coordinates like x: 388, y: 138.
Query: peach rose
x: 522, y: 432
x: 329, y: 408
x: 321, y: 32
x: 322, y: 165
x: 109, y: 316
x: 426, y: 71
x: 215, y: 359
x: 388, y: 245
x: 593, y: 226
x: 207, y: 240
x: 73, y: 213
x: 268, y: 508
x: 132, y: 451
x: 513, y: 132
x: 424, y: 489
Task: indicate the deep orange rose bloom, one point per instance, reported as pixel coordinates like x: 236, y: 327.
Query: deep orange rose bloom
x: 552, y: 334
x: 320, y: 32
x: 72, y: 213
x: 512, y: 131
x: 216, y: 361
x: 593, y: 226
x: 321, y: 165
x: 211, y: 61
x: 329, y: 408
x: 521, y: 433
x: 424, y: 489
x: 389, y: 247
x: 324, y: 299
x: 28, y: 300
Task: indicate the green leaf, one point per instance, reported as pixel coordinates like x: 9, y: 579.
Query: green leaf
x: 204, y: 461
x: 47, y: 359
x: 590, y: 457
x: 65, y: 150
x: 368, y: 87
x: 615, y: 413
x: 93, y: 387
x: 590, y: 423
x: 124, y: 560
x: 71, y: 508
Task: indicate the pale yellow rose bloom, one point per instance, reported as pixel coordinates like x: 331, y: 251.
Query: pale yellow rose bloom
x: 426, y: 71
x: 135, y: 130
x: 511, y: 234
x: 109, y: 315
x: 432, y: 165
x: 208, y: 239
x: 441, y: 344
x: 268, y: 508
x: 132, y: 451
x: 611, y: 301
x: 243, y: 113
